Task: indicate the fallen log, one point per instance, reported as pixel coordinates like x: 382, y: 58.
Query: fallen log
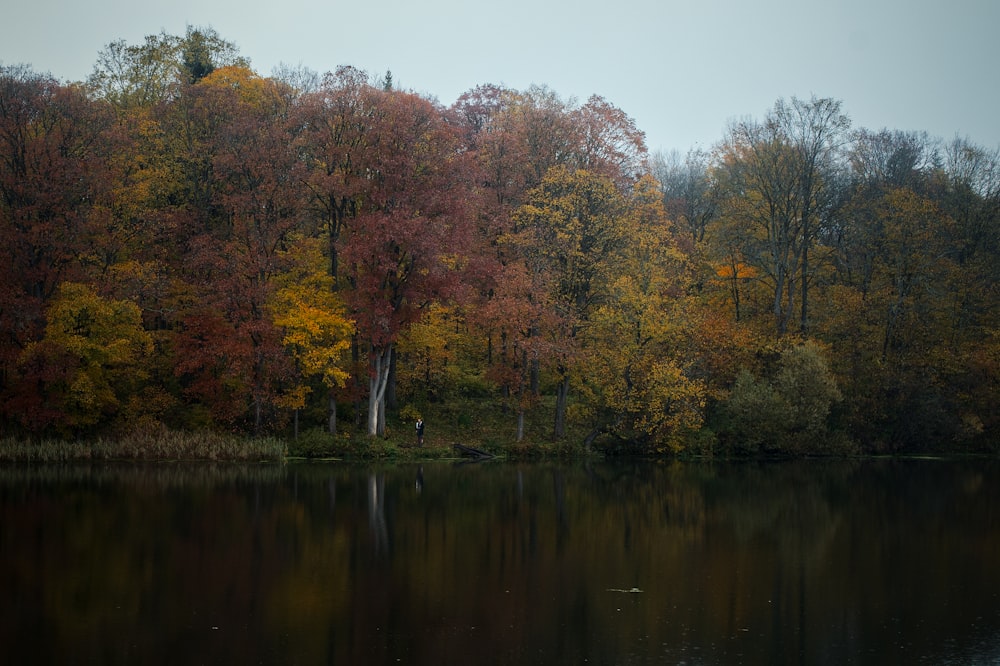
x: 470, y: 452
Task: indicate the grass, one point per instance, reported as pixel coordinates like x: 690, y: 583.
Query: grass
x: 469, y: 422
x: 158, y: 445
x: 457, y: 421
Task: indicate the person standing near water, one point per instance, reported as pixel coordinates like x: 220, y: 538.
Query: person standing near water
x: 420, y: 432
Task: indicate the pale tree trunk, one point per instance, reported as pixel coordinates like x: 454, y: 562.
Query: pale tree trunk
x: 376, y: 512
x: 390, y: 387
x: 377, y: 382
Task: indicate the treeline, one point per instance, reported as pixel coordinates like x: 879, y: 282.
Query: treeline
x: 188, y: 244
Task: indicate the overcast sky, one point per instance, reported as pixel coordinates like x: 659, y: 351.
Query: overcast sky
x: 682, y: 69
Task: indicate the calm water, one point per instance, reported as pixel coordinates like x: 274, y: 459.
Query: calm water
x: 877, y: 562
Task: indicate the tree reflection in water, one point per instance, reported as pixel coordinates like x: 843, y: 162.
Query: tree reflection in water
x: 815, y: 562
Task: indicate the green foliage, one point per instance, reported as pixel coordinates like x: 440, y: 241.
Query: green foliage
x: 757, y: 416
x: 787, y: 413
x: 313, y: 443
x: 805, y: 384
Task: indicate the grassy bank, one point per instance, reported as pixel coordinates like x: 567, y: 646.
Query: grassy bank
x: 312, y: 445
x: 486, y: 426
x: 489, y: 429
x: 158, y: 445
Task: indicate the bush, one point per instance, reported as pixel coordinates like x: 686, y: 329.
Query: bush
x: 313, y: 443
x: 785, y: 414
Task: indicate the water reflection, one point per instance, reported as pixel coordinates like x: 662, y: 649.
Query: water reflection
x: 876, y: 562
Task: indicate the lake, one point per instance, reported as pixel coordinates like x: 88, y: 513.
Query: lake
x: 806, y: 562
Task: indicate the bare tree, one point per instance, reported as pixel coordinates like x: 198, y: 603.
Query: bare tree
x: 776, y: 177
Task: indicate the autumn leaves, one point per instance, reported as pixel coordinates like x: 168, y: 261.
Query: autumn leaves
x: 195, y: 245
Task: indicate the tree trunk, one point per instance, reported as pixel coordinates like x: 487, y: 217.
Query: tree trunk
x: 804, y: 320
x: 390, y: 388
x: 380, y: 426
x: 258, y: 419
x: 332, y: 423
x: 377, y: 383
x: 536, y: 368
x: 356, y: 359
x: 562, y: 393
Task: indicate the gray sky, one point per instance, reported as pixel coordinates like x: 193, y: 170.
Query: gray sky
x: 683, y: 69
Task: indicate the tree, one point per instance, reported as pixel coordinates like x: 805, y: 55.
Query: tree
x: 787, y: 412
x: 817, y: 130
x: 441, y: 355
x: 549, y: 132
x: 130, y: 76
x: 492, y: 121
x: 516, y: 318
x: 611, y: 144
x: 901, y: 294
x: 570, y: 229
x: 408, y: 241
x: 254, y: 211
x: 202, y: 51
x: 316, y: 329
x: 777, y: 175
x: 88, y: 369
x: 689, y: 193
x: 637, y: 348
x: 53, y: 175
x: 335, y: 145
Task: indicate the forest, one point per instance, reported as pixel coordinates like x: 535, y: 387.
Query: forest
x: 191, y: 246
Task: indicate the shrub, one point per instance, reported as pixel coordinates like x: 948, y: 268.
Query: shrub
x: 787, y: 413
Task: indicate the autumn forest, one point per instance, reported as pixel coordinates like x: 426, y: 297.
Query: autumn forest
x: 189, y: 245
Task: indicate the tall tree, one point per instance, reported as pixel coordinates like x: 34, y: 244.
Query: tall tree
x: 335, y: 141
x: 203, y: 50
x: 519, y: 319
x: 53, y: 174
x: 817, y: 130
x: 140, y: 75
x: 777, y: 174
x: 689, y: 193
x: 408, y: 241
x: 315, y: 327
x: 241, y: 252
x: 569, y: 230
x: 611, y: 143
x: 638, y: 357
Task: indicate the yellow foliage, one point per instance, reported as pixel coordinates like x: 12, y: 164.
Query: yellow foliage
x: 637, y: 338
x: 101, y: 343
x: 317, y: 331
x: 431, y: 351
x: 99, y: 331
x: 251, y: 88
